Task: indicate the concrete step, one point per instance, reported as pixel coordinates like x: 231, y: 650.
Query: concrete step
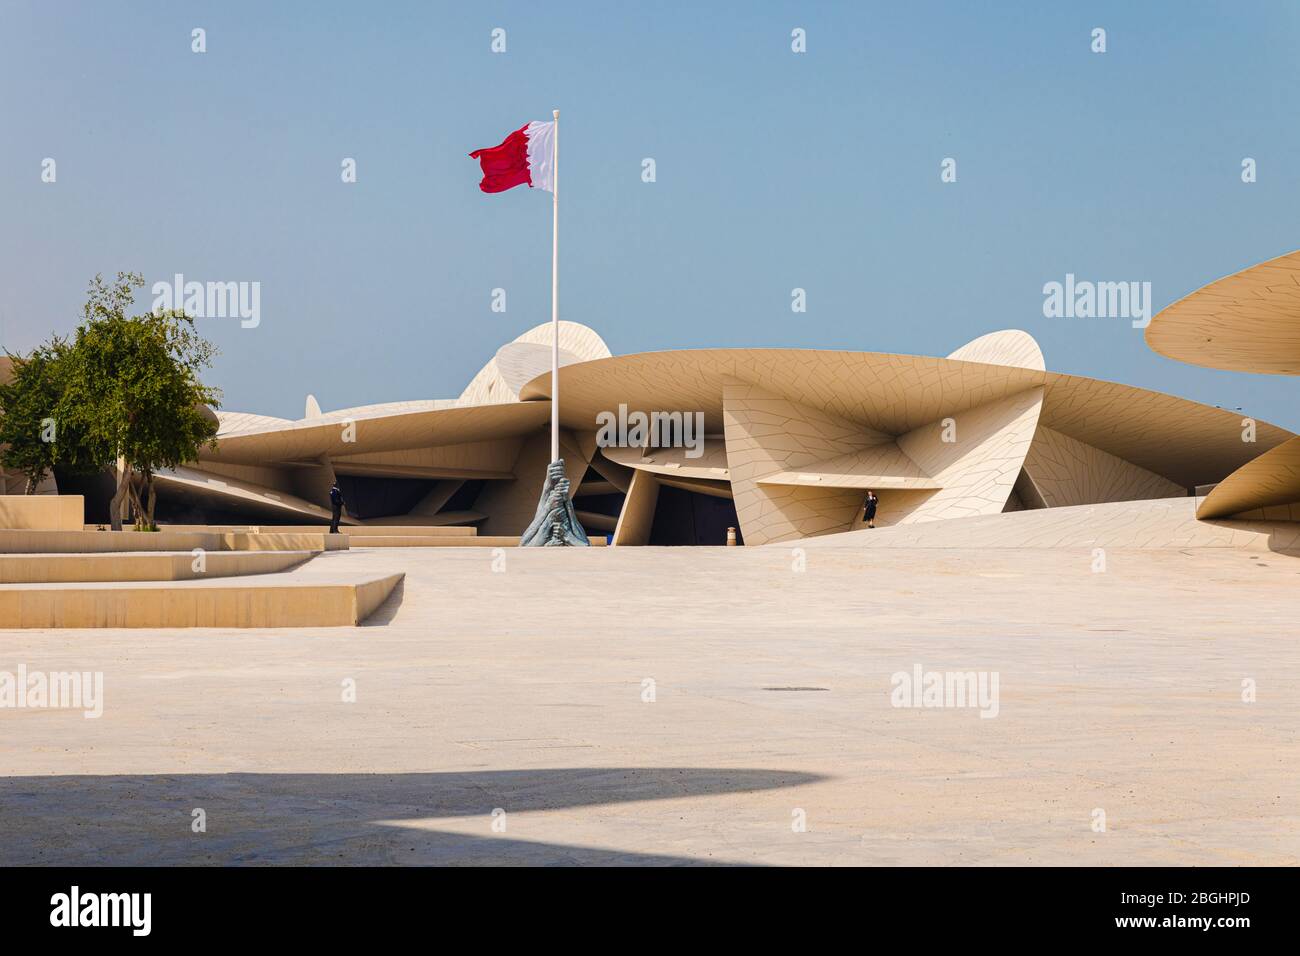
x: 1154, y: 523
x: 89, y: 542
x: 271, y: 601
x: 285, y: 541
x: 432, y: 541
x: 144, y: 565
x: 390, y: 531
x: 380, y: 529
x: 419, y: 541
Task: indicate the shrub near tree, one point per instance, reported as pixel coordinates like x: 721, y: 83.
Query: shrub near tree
x: 28, y: 429
x: 132, y: 391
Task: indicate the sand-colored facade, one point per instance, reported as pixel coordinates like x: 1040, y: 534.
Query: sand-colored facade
x: 1247, y: 322
x: 780, y: 444
x: 789, y: 441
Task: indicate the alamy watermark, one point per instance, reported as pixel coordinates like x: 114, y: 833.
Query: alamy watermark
x: 656, y: 429
x: 56, y: 690
x: 211, y: 300
x: 920, y: 688
x: 75, y: 908
x: 1084, y: 299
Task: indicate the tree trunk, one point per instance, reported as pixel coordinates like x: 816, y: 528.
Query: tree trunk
x: 32, y: 482
x: 137, y: 507
x: 152, y: 499
x: 119, y: 498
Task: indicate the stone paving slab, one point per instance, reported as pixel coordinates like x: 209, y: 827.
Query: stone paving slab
x: 524, y: 686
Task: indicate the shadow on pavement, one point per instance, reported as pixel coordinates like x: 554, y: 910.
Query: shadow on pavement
x: 336, y: 819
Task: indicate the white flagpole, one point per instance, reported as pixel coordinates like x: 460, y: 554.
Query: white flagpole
x: 555, y: 292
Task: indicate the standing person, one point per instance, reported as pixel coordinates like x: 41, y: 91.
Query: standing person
x: 869, y: 509
x: 336, y: 507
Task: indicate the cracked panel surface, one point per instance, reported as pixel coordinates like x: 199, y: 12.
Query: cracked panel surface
x: 1008, y: 347
x: 1267, y: 487
x: 767, y: 434
x: 1246, y: 322
x: 528, y: 356
x: 1068, y: 472
x: 977, y: 470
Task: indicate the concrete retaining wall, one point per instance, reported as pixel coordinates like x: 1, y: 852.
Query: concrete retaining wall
x: 196, y: 604
x: 42, y: 512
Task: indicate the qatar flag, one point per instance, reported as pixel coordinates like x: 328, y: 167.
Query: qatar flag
x: 527, y: 157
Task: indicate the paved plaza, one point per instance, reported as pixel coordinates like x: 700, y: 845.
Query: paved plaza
x: 690, y: 706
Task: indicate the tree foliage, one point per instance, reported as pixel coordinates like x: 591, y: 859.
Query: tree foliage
x: 123, y: 388
x: 28, y: 429
x: 131, y: 389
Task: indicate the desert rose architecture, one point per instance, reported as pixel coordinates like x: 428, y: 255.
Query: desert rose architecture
x: 676, y: 447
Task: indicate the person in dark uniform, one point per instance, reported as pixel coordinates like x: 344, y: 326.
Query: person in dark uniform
x: 336, y: 507
x: 869, y: 509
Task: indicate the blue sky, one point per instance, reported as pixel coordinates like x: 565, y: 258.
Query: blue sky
x: 775, y: 170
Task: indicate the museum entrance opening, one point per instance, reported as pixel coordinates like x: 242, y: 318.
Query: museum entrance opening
x: 689, y: 517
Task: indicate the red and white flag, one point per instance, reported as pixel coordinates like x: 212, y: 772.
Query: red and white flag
x: 531, y: 156
x: 527, y: 157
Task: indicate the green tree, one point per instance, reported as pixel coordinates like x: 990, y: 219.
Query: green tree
x: 29, y: 431
x: 132, y: 391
